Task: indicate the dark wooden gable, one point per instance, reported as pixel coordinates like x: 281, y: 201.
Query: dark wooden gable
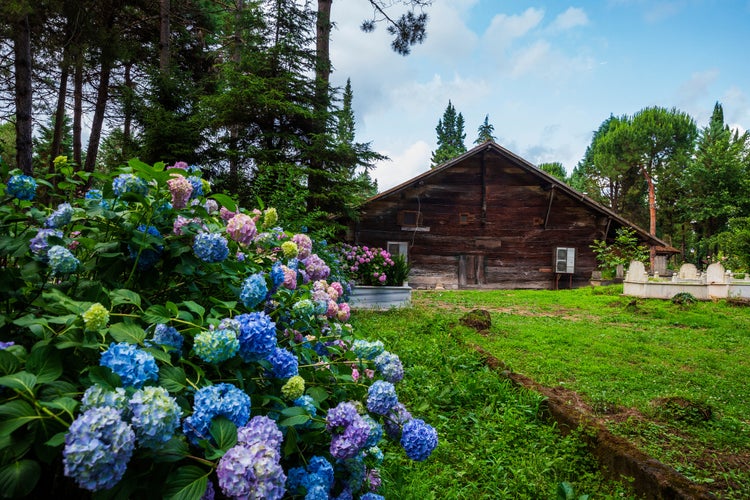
x: 487, y: 219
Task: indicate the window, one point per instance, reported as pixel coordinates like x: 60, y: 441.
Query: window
x: 463, y: 219
x: 398, y: 248
x: 410, y: 218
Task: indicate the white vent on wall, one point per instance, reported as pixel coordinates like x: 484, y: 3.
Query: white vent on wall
x: 565, y: 260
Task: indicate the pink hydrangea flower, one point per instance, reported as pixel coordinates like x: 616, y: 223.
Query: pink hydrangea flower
x: 241, y: 229
x: 181, y: 189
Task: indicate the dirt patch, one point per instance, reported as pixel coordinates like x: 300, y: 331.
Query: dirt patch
x: 617, y: 456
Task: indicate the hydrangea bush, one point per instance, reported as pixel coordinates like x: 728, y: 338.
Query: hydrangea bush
x: 371, y: 266
x: 160, y: 341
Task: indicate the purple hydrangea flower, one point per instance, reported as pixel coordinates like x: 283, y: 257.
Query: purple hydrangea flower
x: 395, y: 420
x: 284, y: 363
x: 155, y: 416
x: 315, y: 269
x: 5, y: 345
x: 129, y: 183
x: 134, y: 366
x: 260, y: 429
x: 350, y: 431
x: 215, y: 346
x: 210, y: 247
x: 389, y: 365
x: 60, y: 217
x: 381, y: 397
x: 210, y: 492
x: 257, y: 336
x: 61, y: 260
x: 304, y: 245
x: 251, y: 472
x: 167, y: 336
x: 418, y: 439
x: 21, y: 187
x: 254, y: 290
x: 39, y: 244
x: 98, y: 447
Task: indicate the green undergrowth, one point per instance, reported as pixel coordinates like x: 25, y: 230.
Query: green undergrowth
x: 670, y: 377
x: 494, y: 441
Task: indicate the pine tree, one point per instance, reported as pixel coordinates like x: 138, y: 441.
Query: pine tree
x: 450, y: 136
x: 484, y: 133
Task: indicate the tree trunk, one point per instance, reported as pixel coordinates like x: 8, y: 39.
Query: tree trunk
x: 78, y: 109
x: 23, y: 98
x: 316, y: 180
x: 98, y: 118
x: 128, y: 108
x: 651, y: 213
x: 234, y: 129
x: 164, y: 12
x: 58, y: 132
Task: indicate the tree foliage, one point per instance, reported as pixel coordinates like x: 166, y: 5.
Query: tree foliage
x: 450, y: 136
x: 485, y: 131
x: 555, y: 169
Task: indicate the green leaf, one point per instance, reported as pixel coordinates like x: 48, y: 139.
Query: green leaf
x: 196, y: 308
x: 186, y: 483
x: 295, y: 420
x: 124, y: 296
x: 565, y: 491
x: 18, y: 479
x: 318, y: 394
x: 127, y: 332
x: 15, y: 414
x: 68, y: 405
x: 8, y: 362
x: 292, y: 411
x: 173, y: 450
x: 22, y: 382
x: 56, y: 440
x: 46, y: 363
x: 225, y: 201
x: 224, y: 433
x: 172, y: 378
x: 157, y: 314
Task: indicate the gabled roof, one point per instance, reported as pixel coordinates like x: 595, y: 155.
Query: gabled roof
x: 661, y: 245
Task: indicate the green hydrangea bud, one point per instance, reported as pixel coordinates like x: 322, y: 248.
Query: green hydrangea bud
x: 96, y: 317
x: 294, y: 387
x: 290, y: 249
x: 270, y: 218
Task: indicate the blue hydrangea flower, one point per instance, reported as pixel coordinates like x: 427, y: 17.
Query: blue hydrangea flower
x: 284, y: 363
x: 254, y: 290
x: 167, y: 336
x: 61, y: 260
x: 251, y: 472
x: 257, y: 336
x: 316, y: 479
x: 98, y: 447
x: 22, y: 187
x: 365, y: 349
x: 371, y: 496
x: 260, y: 429
x: 39, y: 243
x: 134, y: 366
x: 60, y: 217
x: 376, y: 432
x: 129, y: 183
x: 215, y: 346
x: 148, y: 256
x: 418, y: 439
x: 381, y: 397
x: 308, y: 403
x: 277, y: 274
x: 155, y: 416
x: 197, y: 186
x: 210, y: 247
x: 5, y: 345
x: 97, y: 195
x: 355, y: 472
x: 389, y: 365
x: 97, y: 396
x: 216, y: 400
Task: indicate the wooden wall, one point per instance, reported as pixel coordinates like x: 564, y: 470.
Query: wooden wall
x: 485, y: 222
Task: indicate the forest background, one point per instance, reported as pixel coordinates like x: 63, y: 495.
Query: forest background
x: 243, y: 89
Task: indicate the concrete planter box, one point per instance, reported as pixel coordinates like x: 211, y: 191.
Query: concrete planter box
x: 380, y: 297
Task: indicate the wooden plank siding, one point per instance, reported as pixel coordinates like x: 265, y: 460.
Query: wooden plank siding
x: 487, y: 220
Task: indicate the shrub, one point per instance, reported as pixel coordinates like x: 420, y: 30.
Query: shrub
x: 160, y: 341
x: 371, y: 266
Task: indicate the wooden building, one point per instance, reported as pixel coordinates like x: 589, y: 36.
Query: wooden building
x: 490, y: 219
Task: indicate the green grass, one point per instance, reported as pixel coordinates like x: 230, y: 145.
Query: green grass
x: 617, y: 353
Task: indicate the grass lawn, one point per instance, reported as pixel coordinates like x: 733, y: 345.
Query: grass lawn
x: 671, y: 378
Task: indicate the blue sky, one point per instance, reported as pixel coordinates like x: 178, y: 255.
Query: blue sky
x: 547, y: 73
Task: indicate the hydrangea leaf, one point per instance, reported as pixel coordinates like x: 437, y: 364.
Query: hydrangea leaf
x: 15, y: 414
x: 65, y: 404
x: 157, y: 314
x: 224, y: 433
x: 127, y: 332
x: 8, y: 362
x: 173, y: 450
x: 18, y: 479
x: 46, y: 363
x: 225, y: 201
x: 186, y: 483
x: 195, y: 307
x: 295, y: 420
x: 124, y: 296
x: 22, y: 382
x: 172, y: 378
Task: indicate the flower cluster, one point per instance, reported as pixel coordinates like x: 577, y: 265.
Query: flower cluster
x: 61, y: 260
x: 154, y: 415
x: 381, y: 397
x: 61, y: 216
x: 39, y: 244
x: 223, y: 400
x: 129, y: 183
x: 349, y: 430
x: 95, y: 317
x: 210, y: 247
x: 418, y: 439
x: 22, y: 187
x: 216, y: 345
x: 181, y: 189
x: 134, y: 365
x: 365, y: 265
x: 241, y: 228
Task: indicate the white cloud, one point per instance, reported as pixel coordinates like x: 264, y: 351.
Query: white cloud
x: 571, y: 18
x: 504, y: 29
x: 413, y: 161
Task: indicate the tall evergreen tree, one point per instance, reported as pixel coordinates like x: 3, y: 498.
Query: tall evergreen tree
x: 450, y: 136
x: 555, y: 169
x: 485, y: 131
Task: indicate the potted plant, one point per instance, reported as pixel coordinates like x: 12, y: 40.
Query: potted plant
x: 378, y: 280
